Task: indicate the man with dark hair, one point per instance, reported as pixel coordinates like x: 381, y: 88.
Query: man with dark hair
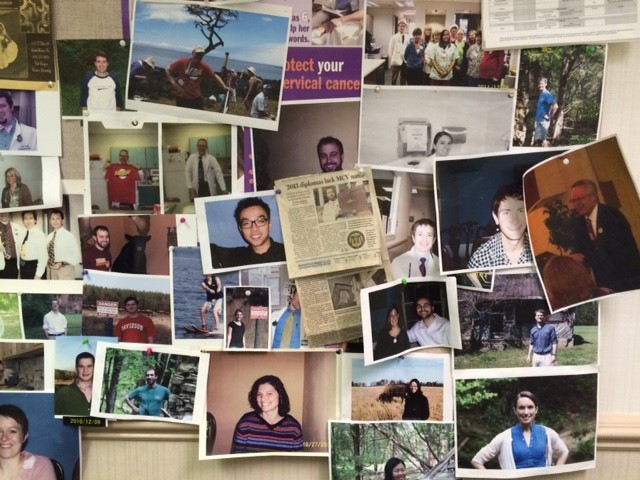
x: 510, y: 245
x: 99, y: 89
x: 202, y: 171
x: 547, y: 107
x: 431, y: 329
x: 98, y: 255
x: 253, y: 218
x: 604, y: 240
x: 75, y: 399
x: 62, y: 248
x: 420, y: 260
x: 185, y: 76
x: 152, y: 398
x: 13, y: 134
x: 135, y: 328
x: 330, y: 154
x: 543, y: 344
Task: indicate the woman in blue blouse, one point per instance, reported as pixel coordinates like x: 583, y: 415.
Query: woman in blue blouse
x: 414, y: 58
x: 527, y: 445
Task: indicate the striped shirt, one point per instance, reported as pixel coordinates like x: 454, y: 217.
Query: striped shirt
x: 253, y: 434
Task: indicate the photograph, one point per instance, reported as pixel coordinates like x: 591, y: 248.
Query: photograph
x: 246, y: 311
x: 409, y: 450
x: 30, y: 122
x: 184, y: 147
x: 481, y: 217
x: 133, y: 308
x: 26, y: 366
x: 412, y: 138
x: 122, y: 165
x: 559, y: 95
x: 330, y: 143
x: 40, y: 244
x: 24, y: 180
x: 74, y: 371
x: 266, y: 404
x: 337, y: 24
x: 45, y: 447
x: 582, y: 207
x: 136, y: 244
x: 526, y: 425
x: 93, y: 76
x: 48, y: 316
x: 210, y: 71
x: 409, y: 314
x: 198, y: 306
x: 416, y: 386
x: 259, y: 235
x: 135, y: 383
x: 511, y: 326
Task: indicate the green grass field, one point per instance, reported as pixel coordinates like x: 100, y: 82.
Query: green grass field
x: 585, y: 352
x: 74, y: 328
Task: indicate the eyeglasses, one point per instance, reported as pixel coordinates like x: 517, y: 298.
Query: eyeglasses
x: 259, y: 222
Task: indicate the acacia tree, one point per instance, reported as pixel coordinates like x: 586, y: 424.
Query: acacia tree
x: 209, y: 21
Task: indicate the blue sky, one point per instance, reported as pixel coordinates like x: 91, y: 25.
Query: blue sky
x: 425, y: 369
x: 67, y: 348
x: 253, y: 37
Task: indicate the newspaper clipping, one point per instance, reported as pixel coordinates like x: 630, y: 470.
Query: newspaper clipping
x: 330, y: 222
x: 332, y: 304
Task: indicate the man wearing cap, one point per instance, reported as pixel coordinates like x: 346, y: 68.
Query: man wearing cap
x: 260, y: 104
x: 254, y: 87
x: 139, y: 76
x: 185, y: 76
x: 397, y: 46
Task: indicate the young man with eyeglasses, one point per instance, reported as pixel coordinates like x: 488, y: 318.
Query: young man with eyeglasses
x: 253, y: 218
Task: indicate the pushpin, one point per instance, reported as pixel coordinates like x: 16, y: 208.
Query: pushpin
x: 404, y: 281
x: 278, y: 192
x: 85, y: 342
x: 85, y: 272
x: 149, y: 351
x: 183, y: 220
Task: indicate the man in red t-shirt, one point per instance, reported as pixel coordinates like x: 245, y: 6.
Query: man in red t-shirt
x: 122, y: 182
x: 185, y: 76
x: 135, y: 328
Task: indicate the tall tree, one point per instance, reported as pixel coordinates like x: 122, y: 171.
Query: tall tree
x: 209, y: 21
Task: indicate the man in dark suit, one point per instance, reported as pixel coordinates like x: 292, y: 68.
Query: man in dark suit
x: 604, y: 241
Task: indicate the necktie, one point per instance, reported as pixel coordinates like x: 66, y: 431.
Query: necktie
x: 51, y: 249
x: 402, y: 39
x: 592, y: 233
x: 203, y: 187
x: 423, y: 267
x: 23, y: 247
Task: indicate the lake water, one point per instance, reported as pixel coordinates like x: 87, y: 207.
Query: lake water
x: 165, y: 57
x: 188, y: 295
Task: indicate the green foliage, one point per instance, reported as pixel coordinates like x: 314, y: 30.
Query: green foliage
x: 585, y: 451
x: 587, y: 314
x: 154, y: 301
x: 558, y: 221
x: 75, y: 59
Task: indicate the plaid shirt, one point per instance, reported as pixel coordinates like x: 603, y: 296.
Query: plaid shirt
x: 491, y: 254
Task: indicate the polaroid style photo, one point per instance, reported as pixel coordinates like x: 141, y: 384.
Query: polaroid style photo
x: 213, y: 72
x: 246, y: 321
x: 132, y: 308
x: 416, y: 386
x: 405, y: 315
x: 258, y: 235
x: 134, y: 382
x: 303, y: 396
